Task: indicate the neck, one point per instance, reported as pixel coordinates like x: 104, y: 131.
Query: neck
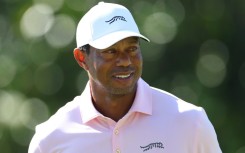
x: 113, y: 106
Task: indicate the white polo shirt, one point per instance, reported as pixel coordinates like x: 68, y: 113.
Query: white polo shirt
x: 157, y: 122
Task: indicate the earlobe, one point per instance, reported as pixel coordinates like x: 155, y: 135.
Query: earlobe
x: 80, y: 58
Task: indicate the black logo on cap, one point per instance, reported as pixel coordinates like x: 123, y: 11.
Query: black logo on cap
x: 115, y: 18
x: 158, y: 145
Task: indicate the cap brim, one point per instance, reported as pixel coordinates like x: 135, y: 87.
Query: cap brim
x: 110, y: 39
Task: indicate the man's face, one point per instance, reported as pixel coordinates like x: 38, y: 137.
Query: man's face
x: 116, y: 69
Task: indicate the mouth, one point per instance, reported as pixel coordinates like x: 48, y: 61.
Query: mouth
x: 123, y: 76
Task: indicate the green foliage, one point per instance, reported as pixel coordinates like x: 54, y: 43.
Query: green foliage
x: 196, y: 52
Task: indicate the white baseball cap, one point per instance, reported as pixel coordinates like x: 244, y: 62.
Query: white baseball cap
x: 105, y: 24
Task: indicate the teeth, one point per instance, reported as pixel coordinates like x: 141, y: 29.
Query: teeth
x: 123, y: 76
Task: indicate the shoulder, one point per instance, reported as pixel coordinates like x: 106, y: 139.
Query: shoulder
x: 49, y: 132
x: 167, y: 99
x: 166, y: 104
x: 180, y: 111
x: 67, y: 113
x: 163, y: 101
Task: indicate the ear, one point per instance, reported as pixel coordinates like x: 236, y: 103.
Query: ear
x: 80, y: 58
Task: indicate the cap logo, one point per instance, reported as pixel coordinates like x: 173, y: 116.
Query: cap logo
x: 115, y: 18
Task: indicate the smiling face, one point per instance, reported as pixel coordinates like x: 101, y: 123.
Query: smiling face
x: 116, y: 69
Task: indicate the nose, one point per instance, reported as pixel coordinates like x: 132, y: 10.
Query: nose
x: 124, y: 60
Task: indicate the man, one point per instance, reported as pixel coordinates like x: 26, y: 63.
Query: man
x: 118, y: 112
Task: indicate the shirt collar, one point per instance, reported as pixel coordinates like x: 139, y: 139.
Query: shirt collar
x: 143, y: 99
x: 87, y: 109
x: 142, y: 102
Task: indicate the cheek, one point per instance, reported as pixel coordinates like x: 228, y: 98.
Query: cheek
x: 138, y: 60
x: 101, y: 67
x: 94, y: 63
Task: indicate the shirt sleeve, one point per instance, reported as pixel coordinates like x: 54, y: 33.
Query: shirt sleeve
x: 206, y: 139
x: 34, y: 145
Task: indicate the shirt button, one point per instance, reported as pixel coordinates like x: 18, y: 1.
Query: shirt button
x: 118, y: 151
x: 116, y: 132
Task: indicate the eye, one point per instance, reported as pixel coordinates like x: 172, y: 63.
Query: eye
x: 132, y: 48
x: 109, y: 51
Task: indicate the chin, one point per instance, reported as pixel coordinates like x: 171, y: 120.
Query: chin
x: 122, y: 91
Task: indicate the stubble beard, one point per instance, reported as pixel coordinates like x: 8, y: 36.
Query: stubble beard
x: 122, y: 91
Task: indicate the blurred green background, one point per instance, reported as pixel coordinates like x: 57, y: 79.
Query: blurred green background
x: 196, y: 52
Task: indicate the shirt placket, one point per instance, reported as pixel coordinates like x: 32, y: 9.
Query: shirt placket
x: 116, y: 140
x: 116, y: 132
